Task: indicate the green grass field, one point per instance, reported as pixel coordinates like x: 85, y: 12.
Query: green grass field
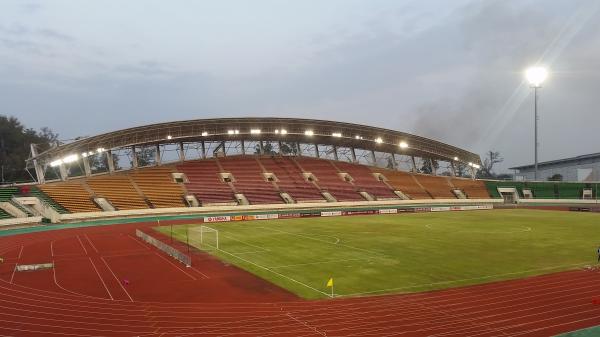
x: 404, y: 252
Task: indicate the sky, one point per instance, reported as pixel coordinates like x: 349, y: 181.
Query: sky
x: 449, y: 70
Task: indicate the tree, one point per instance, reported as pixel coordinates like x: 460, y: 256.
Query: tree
x: 487, y: 169
x: 267, y: 149
x: 556, y: 177
x: 15, y: 141
x: 288, y: 148
x: 427, y: 167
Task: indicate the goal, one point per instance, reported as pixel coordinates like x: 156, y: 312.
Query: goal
x: 209, y: 236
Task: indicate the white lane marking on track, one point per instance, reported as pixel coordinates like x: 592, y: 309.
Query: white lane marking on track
x: 20, y: 252
x: 116, y: 278
x: 91, y: 244
x: 176, y: 266
x: 13, y: 274
x: 101, y: 279
x: 52, y: 248
x: 82, y: 246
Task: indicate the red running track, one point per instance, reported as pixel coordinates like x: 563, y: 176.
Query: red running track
x: 84, y: 296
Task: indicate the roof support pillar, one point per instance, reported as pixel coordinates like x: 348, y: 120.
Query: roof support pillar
x: 335, y: 153
x: 86, y: 166
x: 317, y: 150
x: 452, y: 169
x: 280, y: 144
x: 414, y: 164
x: 473, y: 172
x: 433, y: 168
x: 261, y: 147
x: 223, y: 148
x: 134, y: 159
x: 39, y: 171
x: 243, y: 146
x: 157, y: 158
x: 63, y: 172
x: 110, y: 161
x: 373, y: 158
x: 203, y: 149
x: 299, y: 148
x: 181, y: 152
x: 353, y: 152
x: 394, y: 165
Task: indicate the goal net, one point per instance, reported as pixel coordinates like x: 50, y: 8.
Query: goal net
x: 209, y: 237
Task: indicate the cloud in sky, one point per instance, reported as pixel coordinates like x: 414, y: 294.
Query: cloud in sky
x: 447, y: 70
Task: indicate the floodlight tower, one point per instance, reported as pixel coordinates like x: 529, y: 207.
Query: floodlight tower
x: 536, y: 76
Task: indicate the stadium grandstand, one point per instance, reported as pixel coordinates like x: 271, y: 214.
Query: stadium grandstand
x: 198, y: 165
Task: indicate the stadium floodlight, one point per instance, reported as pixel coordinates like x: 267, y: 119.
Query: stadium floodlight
x: 91, y: 153
x: 309, y: 132
x: 455, y: 158
x: 84, y: 154
x: 100, y: 150
x: 378, y: 140
x: 169, y: 137
x: 403, y: 145
x: 70, y: 158
x: 277, y: 131
x: 56, y: 163
x: 536, y: 76
x: 233, y: 132
x: 358, y: 137
x: 204, y: 134
x: 255, y: 131
x: 283, y: 131
x: 336, y: 134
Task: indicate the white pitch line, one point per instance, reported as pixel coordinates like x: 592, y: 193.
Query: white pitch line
x: 272, y: 271
x: 331, y: 243
x: 321, y: 262
x: 468, y: 279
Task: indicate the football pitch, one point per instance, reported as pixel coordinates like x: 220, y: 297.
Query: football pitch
x: 410, y: 252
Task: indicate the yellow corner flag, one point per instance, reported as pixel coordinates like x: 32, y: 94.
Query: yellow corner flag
x: 330, y: 282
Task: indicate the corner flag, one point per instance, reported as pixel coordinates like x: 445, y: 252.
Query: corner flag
x: 330, y: 284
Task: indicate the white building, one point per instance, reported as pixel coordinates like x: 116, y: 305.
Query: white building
x: 580, y: 168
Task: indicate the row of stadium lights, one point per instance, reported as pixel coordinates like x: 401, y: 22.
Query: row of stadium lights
x: 378, y: 140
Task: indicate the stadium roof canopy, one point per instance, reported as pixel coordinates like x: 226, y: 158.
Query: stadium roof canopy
x: 267, y: 129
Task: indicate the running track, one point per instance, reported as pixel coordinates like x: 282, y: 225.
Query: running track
x: 84, y: 296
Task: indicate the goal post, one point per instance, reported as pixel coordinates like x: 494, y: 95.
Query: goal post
x: 206, y: 233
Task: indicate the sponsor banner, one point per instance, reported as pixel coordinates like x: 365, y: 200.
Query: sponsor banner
x: 266, y: 216
x: 331, y: 213
x: 221, y: 218
x: 422, y: 209
x: 407, y: 210
x: 309, y: 214
x: 289, y: 215
x: 388, y: 211
x: 361, y: 212
x: 440, y: 209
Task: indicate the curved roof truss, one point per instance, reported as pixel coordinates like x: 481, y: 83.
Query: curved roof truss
x: 267, y: 129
